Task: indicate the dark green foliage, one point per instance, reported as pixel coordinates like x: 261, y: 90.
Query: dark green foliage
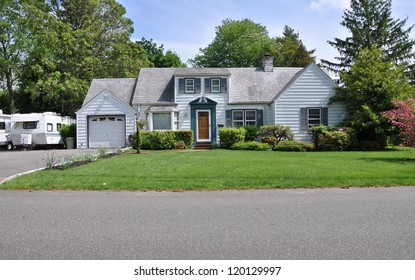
x: 184, y: 135
x: 68, y: 130
x: 251, y: 145
x: 158, y: 140
x: 371, y: 25
x: 279, y: 132
x: 251, y: 133
x: 290, y: 146
x: 158, y: 57
x: 230, y: 136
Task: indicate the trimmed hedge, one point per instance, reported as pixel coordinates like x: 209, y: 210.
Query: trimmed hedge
x: 163, y: 140
x: 230, y: 136
x: 251, y: 145
x: 290, y: 146
x: 251, y: 133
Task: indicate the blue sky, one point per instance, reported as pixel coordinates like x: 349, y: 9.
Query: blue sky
x: 184, y: 26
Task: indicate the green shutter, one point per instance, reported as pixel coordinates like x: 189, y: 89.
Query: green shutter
x: 198, y: 85
x: 224, y: 85
x: 207, y: 85
x: 228, y: 117
x: 303, y: 119
x: 325, y: 116
x: 181, y: 85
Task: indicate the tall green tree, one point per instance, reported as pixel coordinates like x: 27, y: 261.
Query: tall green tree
x: 369, y: 89
x: 237, y: 43
x: 75, y: 41
x: 158, y: 57
x: 13, y: 46
x: 371, y: 25
x: 290, y: 50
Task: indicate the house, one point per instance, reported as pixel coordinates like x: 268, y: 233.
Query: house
x: 206, y: 99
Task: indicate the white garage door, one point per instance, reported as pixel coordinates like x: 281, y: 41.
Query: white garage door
x: 106, y: 131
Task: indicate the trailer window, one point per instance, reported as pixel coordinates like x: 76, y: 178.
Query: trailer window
x: 29, y: 125
x: 50, y: 127
x: 2, y: 125
x: 58, y: 126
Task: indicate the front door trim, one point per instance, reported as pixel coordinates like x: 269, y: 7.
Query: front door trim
x: 209, y: 139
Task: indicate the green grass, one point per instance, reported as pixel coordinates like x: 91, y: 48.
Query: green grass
x: 223, y: 169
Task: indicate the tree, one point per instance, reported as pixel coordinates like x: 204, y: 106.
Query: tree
x: 157, y: 56
x: 371, y: 26
x: 369, y: 89
x: 237, y: 43
x: 290, y: 50
x: 75, y: 41
x: 13, y: 45
x: 403, y: 116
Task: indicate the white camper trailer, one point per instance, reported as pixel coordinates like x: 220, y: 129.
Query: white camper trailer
x: 5, y: 124
x: 37, y: 129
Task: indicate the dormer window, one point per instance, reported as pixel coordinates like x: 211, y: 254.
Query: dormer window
x: 189, y: 85
x: 215, y: 85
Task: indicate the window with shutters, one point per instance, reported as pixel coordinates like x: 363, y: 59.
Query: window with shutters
x: 244, y: 118
x: 215, y: 85
x: 314, y: 117
x: 237, y: 118
x: 189, y: 85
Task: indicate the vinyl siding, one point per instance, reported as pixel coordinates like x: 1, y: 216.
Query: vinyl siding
x: 103, y: 104
x: 313, y: 88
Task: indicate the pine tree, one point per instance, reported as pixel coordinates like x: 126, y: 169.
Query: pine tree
x: 371, y: 25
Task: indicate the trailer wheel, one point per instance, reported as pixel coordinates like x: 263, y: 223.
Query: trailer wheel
x: 10, y: 146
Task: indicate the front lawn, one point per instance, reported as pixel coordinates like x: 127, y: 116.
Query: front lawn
x: 224, y: 169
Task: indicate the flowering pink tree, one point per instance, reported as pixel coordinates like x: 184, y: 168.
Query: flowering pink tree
x: 404, y: 118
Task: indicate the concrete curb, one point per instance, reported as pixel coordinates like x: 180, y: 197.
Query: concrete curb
x: 20, y: 174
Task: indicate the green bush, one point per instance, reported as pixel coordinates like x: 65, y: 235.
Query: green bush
x: 230, y: 136
x: 251, y: 133
x: 333, y: 141
x: 251, y: 145
x: 155, y: 140
x: 290, y: 146
x: 279, y: 132
x: 67, y: 130
x: 184, y: 135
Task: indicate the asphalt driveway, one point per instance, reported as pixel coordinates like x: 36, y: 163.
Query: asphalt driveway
x: 15, y: 162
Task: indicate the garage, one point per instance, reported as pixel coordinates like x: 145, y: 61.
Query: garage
x: 106, y: 131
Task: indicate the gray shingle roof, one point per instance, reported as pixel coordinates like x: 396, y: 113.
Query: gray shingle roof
x: 154, y: 85
x: 202, y: 72
x: 121, y: 87
x: 253, y: 85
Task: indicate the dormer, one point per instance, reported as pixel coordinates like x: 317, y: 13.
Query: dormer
x: 201, y: 81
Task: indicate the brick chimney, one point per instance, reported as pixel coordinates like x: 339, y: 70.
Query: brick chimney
x: 268, y: 63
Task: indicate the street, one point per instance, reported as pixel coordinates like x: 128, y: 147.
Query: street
x: 355, y: 223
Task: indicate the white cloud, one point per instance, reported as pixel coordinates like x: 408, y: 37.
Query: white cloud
x: 325, y: 5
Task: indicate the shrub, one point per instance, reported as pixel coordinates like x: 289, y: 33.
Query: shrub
x: 290, y: 146
x: 270, y: 140
x: 251, y: 133
x: 67, y: 130
x: 230, y: 136
x: 180, y: 145
x: 315, y: 132
x: 184, y: 135
x: 279, y: 132
x: 333, y: 141
x: 154, y: 140
x: 251, y: 145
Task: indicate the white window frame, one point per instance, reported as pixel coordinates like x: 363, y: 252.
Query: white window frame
x: 319, y: 119
x: 238, y: 121
x: 215, y: 88
x: 49, y: 127
x: 197, y: 126
x: 189, y: 85
x: 161, y: 129
x: 246, y: 120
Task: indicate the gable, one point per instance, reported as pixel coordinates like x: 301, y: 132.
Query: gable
x: 121, y: 87
x: 106, y: 102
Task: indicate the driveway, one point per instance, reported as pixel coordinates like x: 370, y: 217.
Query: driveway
x: 15, y: 162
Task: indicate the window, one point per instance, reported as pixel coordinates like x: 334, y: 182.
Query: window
x: 215, y: 85
x: 250, y: 118
x: 314, y: 116
x: 29, y: 125
x: 244, y: 118
x: 58, y: 126
x: 49, y: 127
x: 189, y: 85
x: 2, y: 125
x: 161, y: 121
x: 237, y: 118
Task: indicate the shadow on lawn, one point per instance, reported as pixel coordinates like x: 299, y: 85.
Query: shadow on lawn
x: 401, y: 160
